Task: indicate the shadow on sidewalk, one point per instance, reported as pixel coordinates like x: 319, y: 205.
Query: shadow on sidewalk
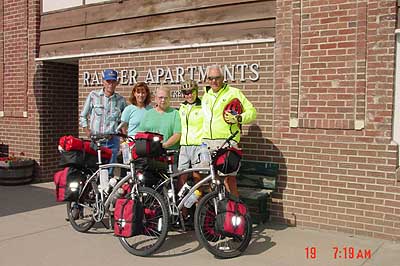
x: 261, y: 241
x: 178, y: 244
x: 183, y: 243
x: 18, y: 199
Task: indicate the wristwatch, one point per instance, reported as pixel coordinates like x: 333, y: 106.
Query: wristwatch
x: 239, y: 118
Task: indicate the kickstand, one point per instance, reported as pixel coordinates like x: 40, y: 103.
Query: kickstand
x: 105, y: 226
x: 182, y: 221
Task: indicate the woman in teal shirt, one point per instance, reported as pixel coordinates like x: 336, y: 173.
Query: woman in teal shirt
x: 133, y: 114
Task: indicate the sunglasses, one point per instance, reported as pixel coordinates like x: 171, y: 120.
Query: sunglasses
x: 187, y: 92
x: 215, y: 77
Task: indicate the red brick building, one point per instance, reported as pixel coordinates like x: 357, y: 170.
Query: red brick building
x: 322, y: 75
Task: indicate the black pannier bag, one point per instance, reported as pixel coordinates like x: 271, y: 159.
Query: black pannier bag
x: 148, y: 144
x: 69, y: 183
x: 79, y: 159
x: 228, y: 160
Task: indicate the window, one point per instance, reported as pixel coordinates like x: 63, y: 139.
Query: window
x: 52, y: 5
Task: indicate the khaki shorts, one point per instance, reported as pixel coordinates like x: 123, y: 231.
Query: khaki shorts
x: 189, y: 157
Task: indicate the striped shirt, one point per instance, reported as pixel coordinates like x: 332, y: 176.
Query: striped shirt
x: 105, y: 112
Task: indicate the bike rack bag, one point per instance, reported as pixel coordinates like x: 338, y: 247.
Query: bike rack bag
x: 70, y: 143
x: 80, y: 153
x: 228, y: 160
x: 148, y: 144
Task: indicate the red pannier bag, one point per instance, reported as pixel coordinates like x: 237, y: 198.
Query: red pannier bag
x: 70, y: 143
x: 228, y: 160
x: 68, y: 184
x: 148, y: 144
x: 231, y: 217
x: 128, y: 217
x: 132, y: 147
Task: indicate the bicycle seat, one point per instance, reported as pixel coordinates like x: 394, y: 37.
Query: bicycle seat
x: 171, y: 152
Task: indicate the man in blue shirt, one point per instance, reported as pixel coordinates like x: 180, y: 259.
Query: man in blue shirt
x: 104, y: 107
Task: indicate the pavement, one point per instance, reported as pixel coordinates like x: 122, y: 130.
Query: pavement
x: 33, y: 232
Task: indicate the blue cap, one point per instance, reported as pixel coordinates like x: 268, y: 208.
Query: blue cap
x: 110, y: 74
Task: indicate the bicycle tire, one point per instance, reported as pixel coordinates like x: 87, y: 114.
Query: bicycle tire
x: 80, y: 213
x: 220, y: 246
x: 155, y: 227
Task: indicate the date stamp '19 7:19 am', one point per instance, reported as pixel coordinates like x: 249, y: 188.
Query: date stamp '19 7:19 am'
x: 341, y: 253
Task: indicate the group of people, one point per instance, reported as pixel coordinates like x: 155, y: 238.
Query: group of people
x: 198, y: 120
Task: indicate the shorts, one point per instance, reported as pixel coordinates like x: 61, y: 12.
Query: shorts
x: 214, y: 144
x: 189, y: 157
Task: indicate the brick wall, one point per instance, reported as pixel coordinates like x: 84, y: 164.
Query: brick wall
x: 335, y: 74
x: 56, y: 90
x: 38, y: 101
x: 18, y: 48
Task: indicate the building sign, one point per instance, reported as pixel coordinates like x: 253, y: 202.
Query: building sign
x: 175, y: 75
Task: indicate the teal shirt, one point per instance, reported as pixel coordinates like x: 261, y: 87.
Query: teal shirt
x: 133, y: 115
x: 167, y: 124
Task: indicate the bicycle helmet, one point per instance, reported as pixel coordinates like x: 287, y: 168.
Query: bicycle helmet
x: 234, y: 107
x: 189, y: 85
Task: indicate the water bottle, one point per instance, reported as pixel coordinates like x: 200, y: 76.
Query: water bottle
x: 104, y: 179
x: 204, y: 155
x: 126, y: 154
x: 170, y: 193
x: 192, y: 199
x: 184, y: 189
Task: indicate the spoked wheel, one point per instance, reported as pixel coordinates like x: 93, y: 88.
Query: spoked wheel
x: 220, y: 246
x: 80, y: 214
x: 155, y: 225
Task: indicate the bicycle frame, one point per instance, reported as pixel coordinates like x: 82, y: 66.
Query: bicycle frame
x: 212, y: 177
x: 101, y: 166
x: 95, y: 176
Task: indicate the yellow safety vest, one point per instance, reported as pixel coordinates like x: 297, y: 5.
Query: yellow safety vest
x: 213, y: 104
x: 192, y: 123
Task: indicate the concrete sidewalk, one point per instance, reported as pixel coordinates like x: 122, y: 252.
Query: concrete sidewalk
x: 34, y: 233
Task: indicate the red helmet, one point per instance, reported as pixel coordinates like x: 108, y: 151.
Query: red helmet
x: 234, y: 107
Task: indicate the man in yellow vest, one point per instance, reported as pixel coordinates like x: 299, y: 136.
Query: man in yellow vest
x: 220, y: 123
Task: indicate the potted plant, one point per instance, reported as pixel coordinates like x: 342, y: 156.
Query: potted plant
x: 15, y: 170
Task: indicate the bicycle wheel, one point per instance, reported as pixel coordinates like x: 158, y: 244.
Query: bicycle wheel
x: 80, y: 213
x: 220, y: 246
x: 155, y: 225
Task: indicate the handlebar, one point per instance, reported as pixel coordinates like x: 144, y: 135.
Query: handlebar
x: 228, y: 140
x: 98, y: 138
x: 170, y: 152
x: 232, y: 136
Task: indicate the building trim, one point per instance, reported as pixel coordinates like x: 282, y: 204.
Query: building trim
x: 136, y: 50
x: 396, y: 101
